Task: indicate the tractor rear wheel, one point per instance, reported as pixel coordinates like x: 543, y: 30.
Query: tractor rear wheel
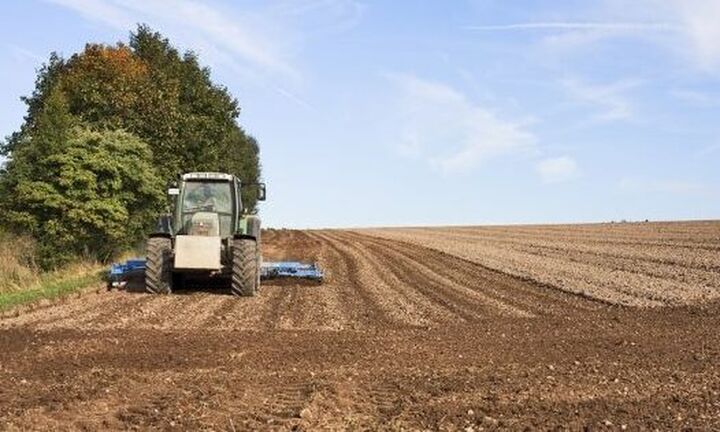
x: 244, y: 268
x: 158, y: 266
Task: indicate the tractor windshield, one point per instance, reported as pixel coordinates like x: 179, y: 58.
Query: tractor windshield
x: 202, y: 200
x: 207, y: 196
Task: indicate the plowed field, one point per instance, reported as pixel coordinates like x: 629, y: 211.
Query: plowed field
x: 462, y: 328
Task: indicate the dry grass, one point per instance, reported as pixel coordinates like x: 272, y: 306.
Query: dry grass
x: 17, y: 265
x: 21, y: 277
x: 21, y: 280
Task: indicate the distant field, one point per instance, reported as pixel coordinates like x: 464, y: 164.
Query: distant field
x: 633, y: 264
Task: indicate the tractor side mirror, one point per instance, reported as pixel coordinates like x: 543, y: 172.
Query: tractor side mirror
x: 173, y: 191
x: 261, y: 192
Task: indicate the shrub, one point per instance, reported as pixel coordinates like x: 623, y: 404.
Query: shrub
x: 93, y: 196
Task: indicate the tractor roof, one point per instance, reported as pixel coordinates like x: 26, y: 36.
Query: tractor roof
x: 207, y: 176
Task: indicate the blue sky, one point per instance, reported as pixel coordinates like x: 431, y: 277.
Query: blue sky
x: 429, y: 113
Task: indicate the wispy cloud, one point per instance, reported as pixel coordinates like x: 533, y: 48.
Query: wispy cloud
x: 696, y: 98
x: 98, y: 10
x: 701, y: 31
x: 24, y: 54
x: 325, y: 15
x: 259, y: 43
x: 688, y: 28
x: 558, y: 169
x: 452, y: 133
x: 609, y: 100
x: 579, y: 25
x: 236, y: 37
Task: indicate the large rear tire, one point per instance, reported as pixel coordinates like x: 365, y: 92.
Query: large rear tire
x: 158, y: 266
x: 245, y: 269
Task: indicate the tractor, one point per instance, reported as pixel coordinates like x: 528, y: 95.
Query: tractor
x: 209, y: 234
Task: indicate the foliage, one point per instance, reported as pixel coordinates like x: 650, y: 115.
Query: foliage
x: 197, y: 129
x: 93, y: 196
x: 106, y: 130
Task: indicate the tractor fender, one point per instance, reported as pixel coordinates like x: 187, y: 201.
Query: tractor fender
x: 249, y: 227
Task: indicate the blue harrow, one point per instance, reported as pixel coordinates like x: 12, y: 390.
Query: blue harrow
x: 132, y: 271
x: 291, y: 269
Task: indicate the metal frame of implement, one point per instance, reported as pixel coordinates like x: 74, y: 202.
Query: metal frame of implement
x: 134, y: 269
x: 291, y: 269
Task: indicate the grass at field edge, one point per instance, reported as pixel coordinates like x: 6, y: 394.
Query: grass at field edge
x: 50, y: 289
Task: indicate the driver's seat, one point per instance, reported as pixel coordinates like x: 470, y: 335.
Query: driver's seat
x: 204, y: 224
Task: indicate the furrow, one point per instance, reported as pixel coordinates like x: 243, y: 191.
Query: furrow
x: 361, y: 305
x: 406, y: 303
x: 502, y: 287
x: 447, y: 288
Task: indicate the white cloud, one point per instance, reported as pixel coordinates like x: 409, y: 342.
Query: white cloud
x: 328, y: 16
x: 689, y: 28
x: 701, y: 31
x: 258, y: 43
x: 25, y: 55
x: 610, y: 100
x: 579, y: 25
x: 220, y: 34
x: 558, y: 169
x: 254, y: 41
x: 99, y: 10
x: 453, y: 134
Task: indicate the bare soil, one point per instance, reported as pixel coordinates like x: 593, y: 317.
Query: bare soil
x: 409, y: 334
x: 633, y: 264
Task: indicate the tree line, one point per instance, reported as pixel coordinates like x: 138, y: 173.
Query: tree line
x: 106, y: 131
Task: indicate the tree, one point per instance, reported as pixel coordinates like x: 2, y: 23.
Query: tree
x: 205, y: 128
x: 92, y: 196
x: 149, y: 89
x: 46, y: 134
x: 102, y: 113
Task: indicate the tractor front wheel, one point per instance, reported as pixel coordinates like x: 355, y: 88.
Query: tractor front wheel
x: 245, y: 268
x: 158, y: 266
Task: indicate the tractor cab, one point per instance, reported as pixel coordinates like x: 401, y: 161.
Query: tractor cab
x: 207, y: 205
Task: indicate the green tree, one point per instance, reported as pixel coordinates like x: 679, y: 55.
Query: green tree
x: 204, y: 131
x: 149, y: 89
x: 92, y: 196
x: 46, y: 134
x: 105, y: 131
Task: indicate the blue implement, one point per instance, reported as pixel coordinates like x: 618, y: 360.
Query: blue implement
x: 122, y: 273
x: 291, y: 269
x: 133, y: 271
